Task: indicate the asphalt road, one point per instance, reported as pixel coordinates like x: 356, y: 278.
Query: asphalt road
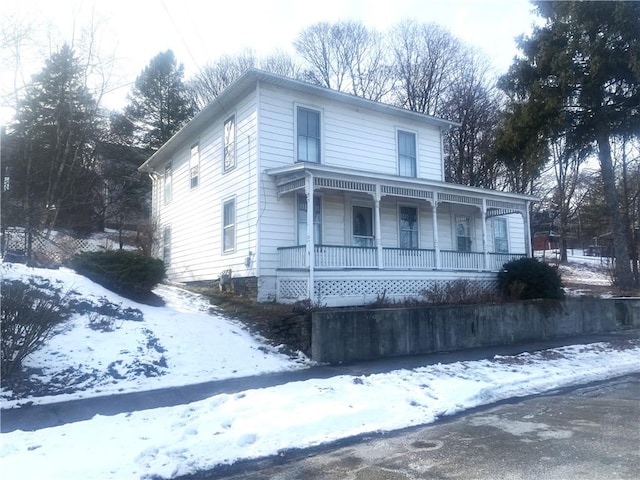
x: 587, y: 433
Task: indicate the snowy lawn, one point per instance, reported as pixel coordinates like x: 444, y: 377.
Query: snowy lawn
x: 188, y: 342
x: 135, y: 347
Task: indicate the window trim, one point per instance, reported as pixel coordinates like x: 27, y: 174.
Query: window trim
x: 231, y: 226
x: 415, y: 158
x: 166, y: 246
x: 168, y: 183
x: 194, y: 180
x: 417, y: 230
x: 319, y: 111
x: 225, y: 168
x: 372, y: 237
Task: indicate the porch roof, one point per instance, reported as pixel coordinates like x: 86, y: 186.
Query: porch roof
x: 292, y: 178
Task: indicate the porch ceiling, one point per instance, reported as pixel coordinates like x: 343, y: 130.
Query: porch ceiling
x: 293, y: 177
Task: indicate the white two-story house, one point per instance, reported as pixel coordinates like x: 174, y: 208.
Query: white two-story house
x: 320, y: 195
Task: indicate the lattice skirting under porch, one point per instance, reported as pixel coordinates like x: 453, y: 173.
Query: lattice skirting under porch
x: 362, y: 291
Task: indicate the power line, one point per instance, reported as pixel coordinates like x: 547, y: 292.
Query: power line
x: 177, y: 29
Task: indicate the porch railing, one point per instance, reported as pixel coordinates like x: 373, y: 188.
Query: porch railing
x: 345, y: 257
x: 408, y: 258
x: 292, y: 257
x: 332, y: 256
x: 454, y: 260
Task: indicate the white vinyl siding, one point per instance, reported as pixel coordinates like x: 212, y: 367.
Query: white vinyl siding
x: 350, y: 137
x: 196, y: 215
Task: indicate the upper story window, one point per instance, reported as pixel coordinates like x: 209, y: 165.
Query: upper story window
x: 168, y: 182
x: 406, y: 154
x: 229, y: 226
x: 308, y: 128
x: 194, y: 166
x: 230, y: 143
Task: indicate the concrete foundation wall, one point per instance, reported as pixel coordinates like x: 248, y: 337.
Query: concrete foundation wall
x: 350, y: 335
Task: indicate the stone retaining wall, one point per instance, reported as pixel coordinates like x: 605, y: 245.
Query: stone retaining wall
x: 351, y: 335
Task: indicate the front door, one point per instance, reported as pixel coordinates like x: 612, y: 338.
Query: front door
x: 362, y: 226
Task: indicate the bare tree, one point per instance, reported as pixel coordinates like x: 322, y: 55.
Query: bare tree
x: 16, y: 35
x: 346, y: 56
x: 427, y: 58
x: 218, y: 75
x: 566, y: 167
x: 472, y: 100
x: 317, y: 46
x: 281, y: 63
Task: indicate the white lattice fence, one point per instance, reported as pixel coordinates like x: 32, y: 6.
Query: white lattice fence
x: 63, y: 247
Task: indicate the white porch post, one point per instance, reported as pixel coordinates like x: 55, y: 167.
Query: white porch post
x: 485, y: 252
x: 527, y: 230
x: 434, y: 216
x: 376, y: 203
x: 310, y: 246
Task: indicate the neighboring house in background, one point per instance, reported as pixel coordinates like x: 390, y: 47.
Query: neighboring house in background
x: 325, y: 196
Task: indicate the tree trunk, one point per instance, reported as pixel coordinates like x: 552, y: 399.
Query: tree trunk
x: 622, y: 272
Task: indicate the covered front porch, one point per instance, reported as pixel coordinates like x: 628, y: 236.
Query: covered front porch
x: 393, y: 229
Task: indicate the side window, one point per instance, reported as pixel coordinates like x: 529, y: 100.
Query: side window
x: 463, y: 233
x: 229, y: 226
x: 230, y: 143
x: 308, y: 129
x: 168, y: 183
x: 406, y: 154
x: 194, y: 166
x: 166, y: 246
x: 302, y: 219
x: 500, y: 235
x: 408, y: 227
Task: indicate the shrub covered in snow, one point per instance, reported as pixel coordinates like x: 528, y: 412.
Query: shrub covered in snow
x: 528, y: 278
x: 128, y: 273
x: 28, y: 317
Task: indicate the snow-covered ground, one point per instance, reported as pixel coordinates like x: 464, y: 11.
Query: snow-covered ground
x: 91, y: 354
x: 188, y: 342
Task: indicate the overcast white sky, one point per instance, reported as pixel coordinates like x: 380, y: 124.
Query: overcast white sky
x: 134, y: 31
